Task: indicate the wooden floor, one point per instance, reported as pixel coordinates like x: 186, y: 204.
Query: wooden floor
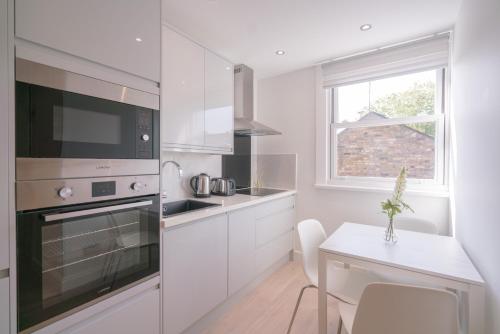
x: 268, y: 309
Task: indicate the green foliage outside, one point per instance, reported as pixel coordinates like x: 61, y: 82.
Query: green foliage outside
x: 416, y: 101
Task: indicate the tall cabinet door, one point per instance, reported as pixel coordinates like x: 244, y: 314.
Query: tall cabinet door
x: 219, y: 95
x: 182, y: 90
x: 4, y: 138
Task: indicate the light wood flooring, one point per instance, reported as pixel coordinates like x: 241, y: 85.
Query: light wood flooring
x: 268, y: 309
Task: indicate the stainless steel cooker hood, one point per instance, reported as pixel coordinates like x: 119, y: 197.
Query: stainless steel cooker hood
x: 244, y: 123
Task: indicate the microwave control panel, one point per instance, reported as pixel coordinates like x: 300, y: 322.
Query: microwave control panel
x: 144, y: 134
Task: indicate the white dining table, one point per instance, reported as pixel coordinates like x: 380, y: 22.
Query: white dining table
x: 431, y: 259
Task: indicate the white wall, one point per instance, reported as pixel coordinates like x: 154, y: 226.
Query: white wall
x: 287, y: 103
x: 476, y: 113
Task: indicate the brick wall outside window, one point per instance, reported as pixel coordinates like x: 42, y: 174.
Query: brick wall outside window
x: 381, y: 151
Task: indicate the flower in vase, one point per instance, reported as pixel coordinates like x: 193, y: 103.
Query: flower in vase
x: 395, y: 205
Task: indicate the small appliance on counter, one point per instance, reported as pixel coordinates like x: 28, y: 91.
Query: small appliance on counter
x: 200, y: 185
x: 223, y: 186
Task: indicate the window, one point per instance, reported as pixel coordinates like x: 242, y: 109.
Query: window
x: 379, y: 125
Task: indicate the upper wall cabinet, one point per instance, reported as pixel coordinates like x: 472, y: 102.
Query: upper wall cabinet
x: 197, y: 93
x: 182, y: 91
x: 219, y: 95
x: 123, y: 35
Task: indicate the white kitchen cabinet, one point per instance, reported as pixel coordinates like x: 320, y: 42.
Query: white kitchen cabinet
x: 219, y: 93
x: 272, y: 252
x: 197, y: 97
x: 123, y: 36
x: 274, y: 219
x: 182, y: 91
x: 241, y: 252
x: 4, y: 136
x: 259, y: 236
x: 274, y: 225
x: 4, y: 305
x: 139, y: 314
x: 194, y: 271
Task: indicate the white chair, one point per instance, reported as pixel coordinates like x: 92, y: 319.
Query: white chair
x: 386, y: 308
x: 415, y: 225
x: 345, y: 285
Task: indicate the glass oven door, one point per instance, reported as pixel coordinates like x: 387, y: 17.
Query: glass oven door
x: 53, y: 123
x: 69, y: 257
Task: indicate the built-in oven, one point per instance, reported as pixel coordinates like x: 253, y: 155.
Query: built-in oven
x: 63, y: 115
x: 83, y: 240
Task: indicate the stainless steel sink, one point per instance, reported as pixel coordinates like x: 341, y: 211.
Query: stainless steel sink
x: 174, y: 208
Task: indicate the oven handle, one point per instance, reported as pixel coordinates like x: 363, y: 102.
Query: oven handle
x: 81, y: 213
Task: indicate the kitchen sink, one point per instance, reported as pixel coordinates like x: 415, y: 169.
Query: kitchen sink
x: 178, y: 207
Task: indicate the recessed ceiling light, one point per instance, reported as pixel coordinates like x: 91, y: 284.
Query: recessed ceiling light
x: 365, y: 27
x: 280, y: 52
x: 138, y: 39
x: 228, y: 68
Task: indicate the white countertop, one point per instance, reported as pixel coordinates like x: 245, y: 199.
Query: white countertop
x: 227, y: 203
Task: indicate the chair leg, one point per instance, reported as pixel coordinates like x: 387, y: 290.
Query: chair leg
x: 339, y: 330
x: 297, y: 305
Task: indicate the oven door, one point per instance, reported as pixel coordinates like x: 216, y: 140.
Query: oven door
x: 69, y: 257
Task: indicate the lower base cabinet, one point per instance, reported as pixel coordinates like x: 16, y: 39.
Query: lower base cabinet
x: 4, y: 305
x: 194, y: 271
x: 259, y: 236
x: 139, y: 314
x: 208, y: 260
x: 242, y: 265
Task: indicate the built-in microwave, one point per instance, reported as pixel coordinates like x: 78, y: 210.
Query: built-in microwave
x: 64, y: 115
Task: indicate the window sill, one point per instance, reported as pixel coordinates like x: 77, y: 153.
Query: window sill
x: 441, y: 192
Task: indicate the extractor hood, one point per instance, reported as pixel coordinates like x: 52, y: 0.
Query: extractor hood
x: 244, y: 123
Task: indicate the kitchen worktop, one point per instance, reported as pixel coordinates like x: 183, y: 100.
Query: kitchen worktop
x: 227, y: 203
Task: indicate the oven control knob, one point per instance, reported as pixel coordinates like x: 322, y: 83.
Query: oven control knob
x: 65, y: 192
x: 145, y: 137
x: 136, y: 186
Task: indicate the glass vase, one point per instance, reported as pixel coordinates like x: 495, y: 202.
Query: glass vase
x: 390, y: 235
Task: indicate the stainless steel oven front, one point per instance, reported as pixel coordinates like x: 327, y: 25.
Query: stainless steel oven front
x: 82, y: 240
x: 63, y: 116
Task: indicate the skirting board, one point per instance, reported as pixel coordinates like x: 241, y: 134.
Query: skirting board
x: 219, y: 311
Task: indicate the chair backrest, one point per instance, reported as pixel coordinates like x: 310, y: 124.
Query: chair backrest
x: 386, y: 308
x: 416, y: 225
x: 311, y: 235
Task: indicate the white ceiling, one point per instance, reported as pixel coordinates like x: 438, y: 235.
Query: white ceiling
x: 310, y: 31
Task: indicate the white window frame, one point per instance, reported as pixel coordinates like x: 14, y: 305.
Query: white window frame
x: 326, y: 140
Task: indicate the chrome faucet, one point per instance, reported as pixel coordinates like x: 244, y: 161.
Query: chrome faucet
x: 179, y: 171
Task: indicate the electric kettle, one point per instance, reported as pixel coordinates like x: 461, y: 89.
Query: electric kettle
x: 223, y: 186
x: 200, y: 185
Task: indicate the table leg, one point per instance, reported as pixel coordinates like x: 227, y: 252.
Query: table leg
x: 322, y: 297
x: 476, y: 309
